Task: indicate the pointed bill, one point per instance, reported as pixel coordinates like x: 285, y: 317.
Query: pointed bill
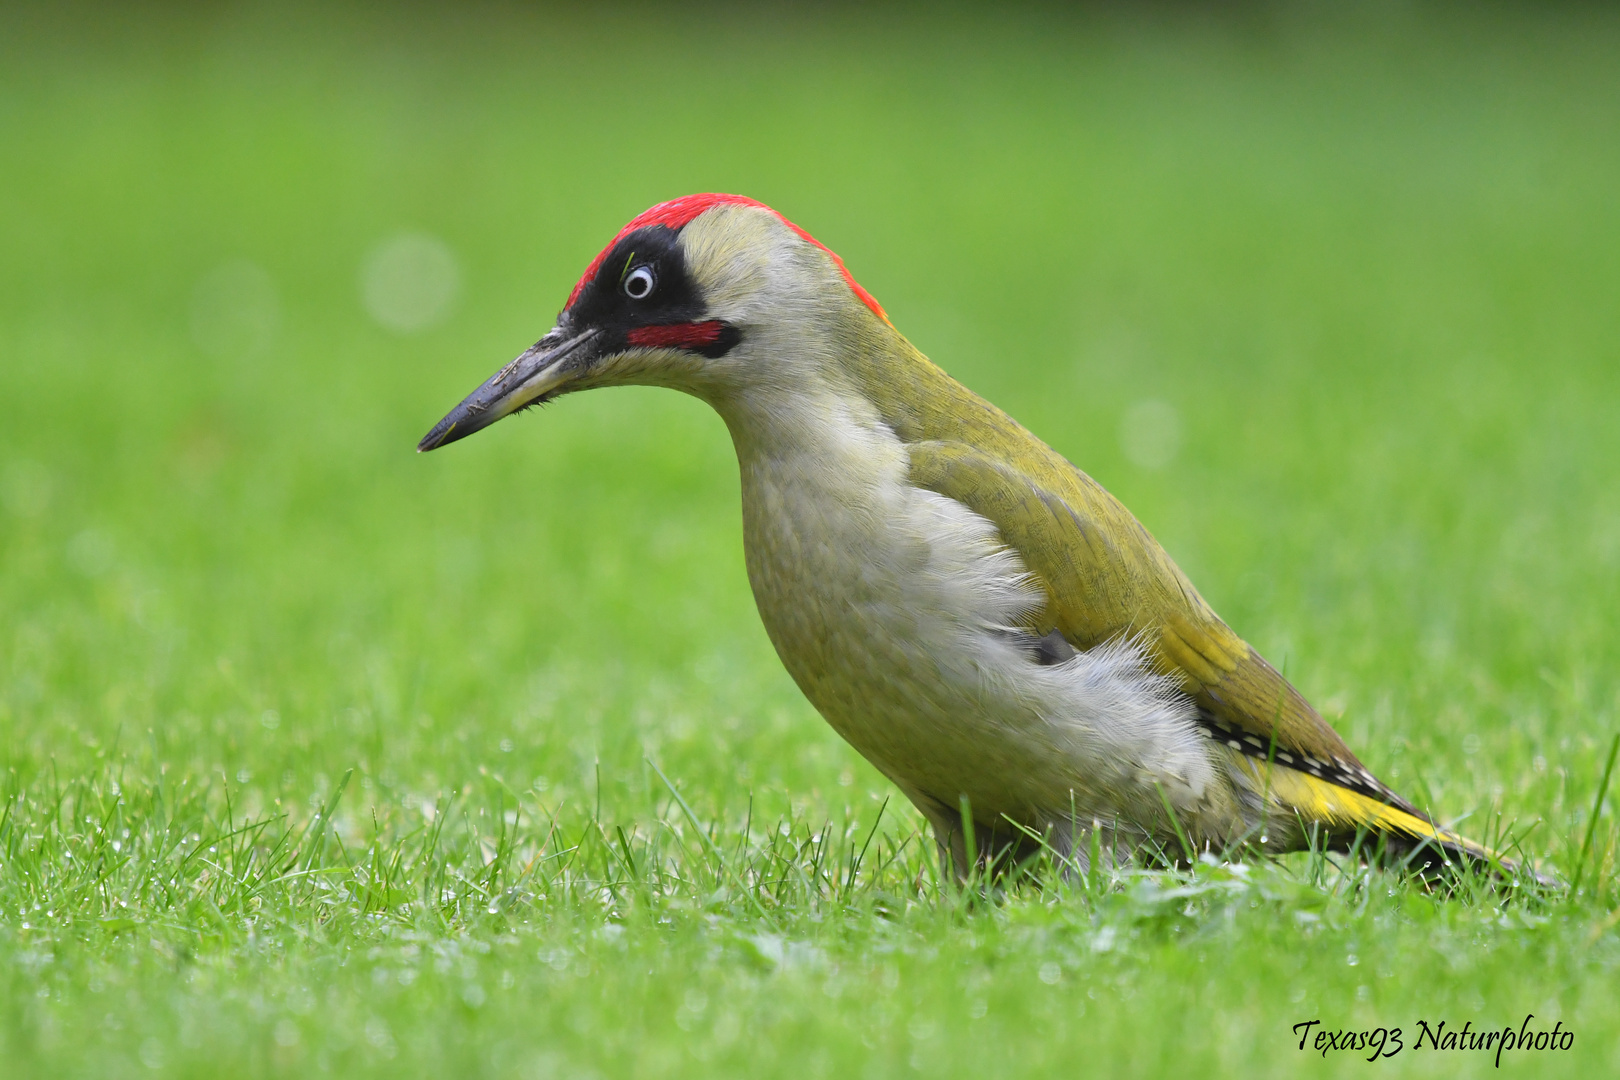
x: 542, y: 368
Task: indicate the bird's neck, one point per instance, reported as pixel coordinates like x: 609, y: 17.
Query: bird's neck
x: 816, y: 383
x: 817, y: 459
x: 822, y: 441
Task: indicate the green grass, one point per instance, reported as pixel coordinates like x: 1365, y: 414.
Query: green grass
x: 324, y: 757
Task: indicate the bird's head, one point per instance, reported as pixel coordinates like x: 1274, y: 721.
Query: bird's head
x: 711, y: 294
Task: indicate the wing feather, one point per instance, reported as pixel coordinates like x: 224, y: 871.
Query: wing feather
x: 1104, y: 576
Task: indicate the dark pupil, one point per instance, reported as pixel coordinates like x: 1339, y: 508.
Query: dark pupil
x: 640, y: 283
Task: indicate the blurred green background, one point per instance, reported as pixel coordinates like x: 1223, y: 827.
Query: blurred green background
x: 1326, y: 296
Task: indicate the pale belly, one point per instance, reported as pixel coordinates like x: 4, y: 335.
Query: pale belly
x: 892, y: 608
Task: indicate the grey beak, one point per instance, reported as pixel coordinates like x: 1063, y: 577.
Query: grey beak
x: 543, y: 367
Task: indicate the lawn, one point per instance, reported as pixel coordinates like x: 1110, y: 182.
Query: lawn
x: 324, y: 757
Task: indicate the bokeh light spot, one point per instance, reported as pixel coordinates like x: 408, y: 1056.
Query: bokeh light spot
x: 1150, y: 434
x: 409, y: 283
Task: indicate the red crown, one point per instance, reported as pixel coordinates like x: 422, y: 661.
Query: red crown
x: 678, y: 212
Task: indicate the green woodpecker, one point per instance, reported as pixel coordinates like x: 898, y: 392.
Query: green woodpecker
x: 979, y: 618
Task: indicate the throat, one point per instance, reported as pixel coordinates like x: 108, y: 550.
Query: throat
x: 825, y: 508
x: 818, y: 452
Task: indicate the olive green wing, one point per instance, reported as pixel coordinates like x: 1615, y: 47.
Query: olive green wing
x: 1105, y: 577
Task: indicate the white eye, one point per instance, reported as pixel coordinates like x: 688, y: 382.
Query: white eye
x: 639, y: 282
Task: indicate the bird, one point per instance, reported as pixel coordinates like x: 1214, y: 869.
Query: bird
x: 982, y: 621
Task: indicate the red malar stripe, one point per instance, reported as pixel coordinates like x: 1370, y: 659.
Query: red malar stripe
x: 679, y: 212
x: 688, y: 335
